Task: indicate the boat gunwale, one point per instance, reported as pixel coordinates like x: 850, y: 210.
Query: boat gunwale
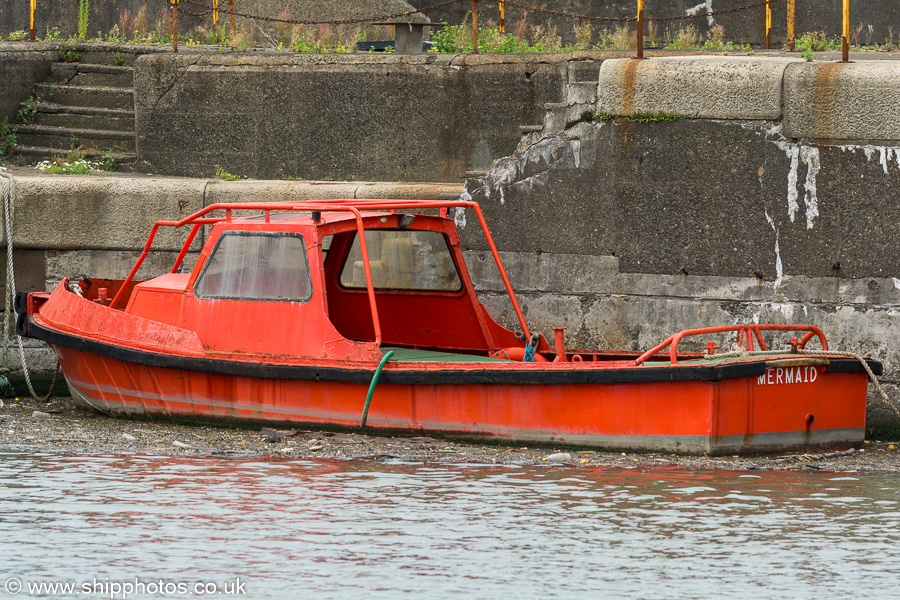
x: 448, y: 373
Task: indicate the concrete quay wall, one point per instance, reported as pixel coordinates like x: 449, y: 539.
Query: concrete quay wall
x: 388, y: 118
x: 21, y: 67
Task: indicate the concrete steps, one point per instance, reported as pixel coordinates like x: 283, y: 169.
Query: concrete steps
x: 93, y: 75
x: 84, y: 95
x: 87, y: 105
x: 45, y: 136
x: 84, y: 117
x: 37, y: 154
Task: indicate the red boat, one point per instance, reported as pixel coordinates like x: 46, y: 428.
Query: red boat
x: 362, y: 313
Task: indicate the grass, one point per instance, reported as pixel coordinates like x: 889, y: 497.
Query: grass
x: 654, y: 117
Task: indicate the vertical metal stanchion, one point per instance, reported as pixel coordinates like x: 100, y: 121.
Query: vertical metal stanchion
x: 845, y: 50
x: 474, y: 26
x: 216, y: 19
x: 640, y: 29
x: 789, y: 44
x: 174, y: 25
x: 768, y: 25
x: 502, y: 16
x: 32, y: 35
x: 231, y: 14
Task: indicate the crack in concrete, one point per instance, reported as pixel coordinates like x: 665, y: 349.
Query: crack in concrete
x: 180, y: 73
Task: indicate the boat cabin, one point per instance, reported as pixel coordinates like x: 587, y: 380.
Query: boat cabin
x: 321, y: 284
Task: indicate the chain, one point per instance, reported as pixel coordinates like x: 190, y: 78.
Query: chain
x: 194, y: 14
x: 567, y: 15
x: 543, y: 11
x: 336, y: 22
x: 715, y: 12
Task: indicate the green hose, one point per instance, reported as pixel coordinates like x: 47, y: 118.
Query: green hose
x: 365, y: 415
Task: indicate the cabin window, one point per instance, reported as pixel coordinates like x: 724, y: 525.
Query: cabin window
x: 403, y: 260
x: 256, y: 266
x: 326, y: 245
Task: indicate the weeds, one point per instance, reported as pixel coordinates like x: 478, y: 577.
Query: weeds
x: 53, y: 35
x: 84, y: 10
x: 7, y: 138
x: 817, y: 41
x: 28, y: 111
x: 109, y: 161
x: 64, y: 166
x: 17, y: 36
x: 221, y: 173
x: 654, y: 117
x: 68, y: 51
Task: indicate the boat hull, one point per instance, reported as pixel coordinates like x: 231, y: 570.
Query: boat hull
x: 760, y: 412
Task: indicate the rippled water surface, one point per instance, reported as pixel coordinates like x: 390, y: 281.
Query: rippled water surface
x: 352, y: 529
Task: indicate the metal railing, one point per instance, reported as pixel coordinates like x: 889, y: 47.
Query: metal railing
x: 639, y: 19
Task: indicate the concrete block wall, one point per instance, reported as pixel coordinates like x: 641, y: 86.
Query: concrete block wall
x: 385, y: 118
x: 21, y: 66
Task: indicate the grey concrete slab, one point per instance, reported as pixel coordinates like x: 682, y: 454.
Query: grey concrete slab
x: 843, y: 101
x: 708, y: 87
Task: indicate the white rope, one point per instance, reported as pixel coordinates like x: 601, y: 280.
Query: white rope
x: 9, y: 195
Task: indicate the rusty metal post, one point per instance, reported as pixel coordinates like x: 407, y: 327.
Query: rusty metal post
x: 502, y: 16
x: 32, y: 36
x: 216, y: 18
x: 845, y: 50
x: 790, y: 26
x: 640, y: 29
x: 768, y: 24
x: 231, y: 14
x: 474, y: 26
x: 174, y: 25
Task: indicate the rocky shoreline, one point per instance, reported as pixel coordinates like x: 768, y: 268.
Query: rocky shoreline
x: 60, y: 426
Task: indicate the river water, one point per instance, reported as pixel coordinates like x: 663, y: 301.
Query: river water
x: 362, y: 529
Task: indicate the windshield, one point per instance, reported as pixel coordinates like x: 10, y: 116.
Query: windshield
x: 256, y: 266
x: 403, y: 260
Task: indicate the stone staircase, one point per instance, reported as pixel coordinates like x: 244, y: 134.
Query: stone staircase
x: 90, y: 105
x: 580, y: 100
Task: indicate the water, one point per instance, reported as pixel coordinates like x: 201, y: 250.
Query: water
x: 362, y: 529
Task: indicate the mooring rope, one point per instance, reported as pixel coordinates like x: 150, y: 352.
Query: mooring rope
x: 9, y: 195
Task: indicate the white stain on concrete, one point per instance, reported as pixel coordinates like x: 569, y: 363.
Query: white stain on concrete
x: 779, y: 270
x: 886, y: 154
x: 793, y: 153
x: 703, y: 8
x: 810, y: 156
x: 459, y: 217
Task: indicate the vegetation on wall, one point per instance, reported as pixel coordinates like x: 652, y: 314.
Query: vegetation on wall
x: 519, y: 37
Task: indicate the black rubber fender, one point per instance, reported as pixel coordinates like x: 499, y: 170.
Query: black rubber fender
x: 22, y: 325
x: 20, y: 303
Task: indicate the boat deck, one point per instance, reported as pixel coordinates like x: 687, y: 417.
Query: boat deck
x: 430, y: 356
